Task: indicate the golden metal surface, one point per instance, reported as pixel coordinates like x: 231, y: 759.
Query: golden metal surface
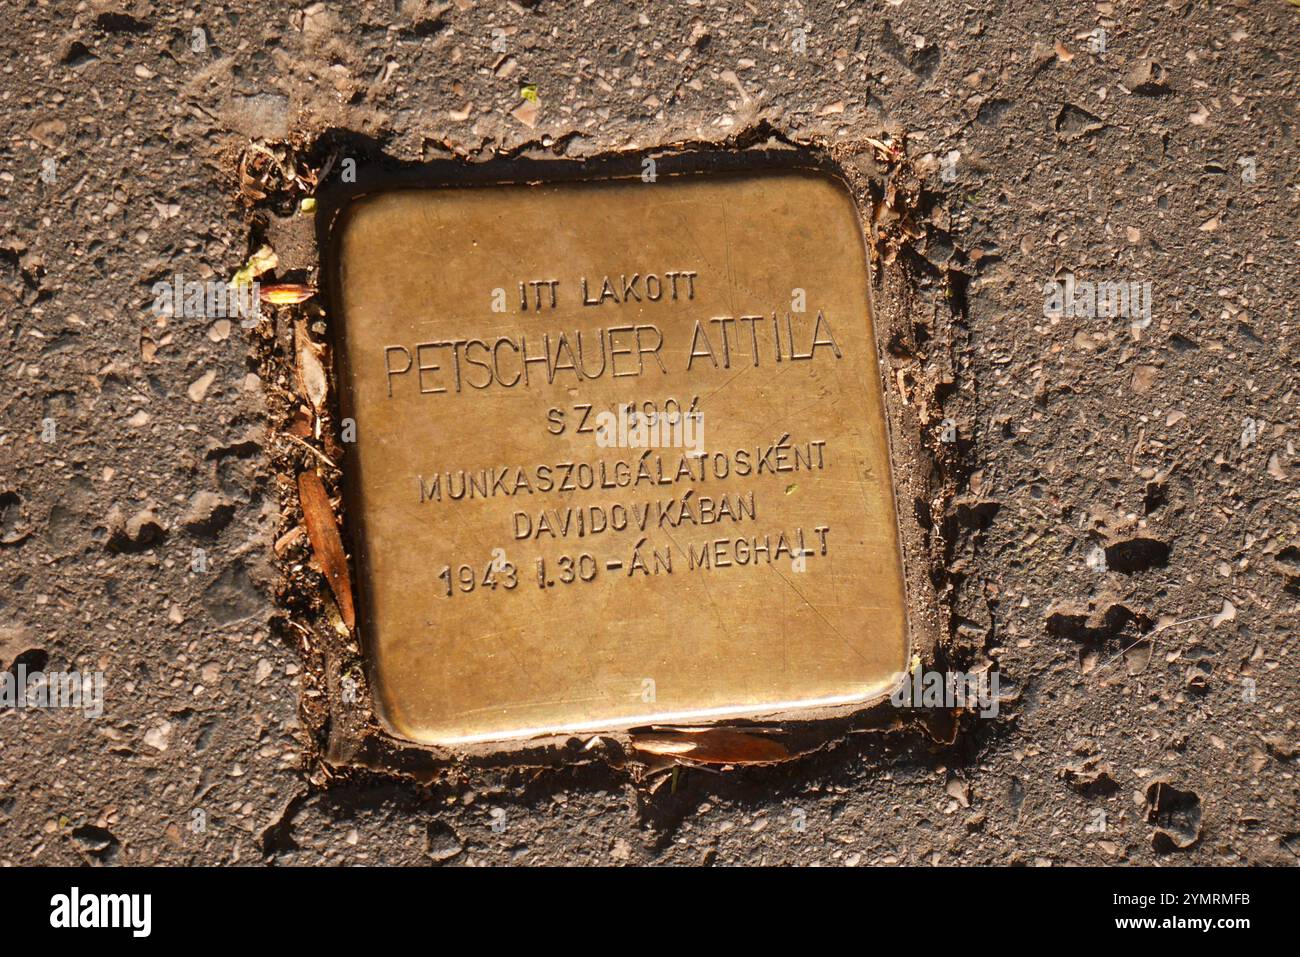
x: 531, y: 558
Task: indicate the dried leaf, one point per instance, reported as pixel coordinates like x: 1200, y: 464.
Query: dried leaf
x: 288, y: 539
x: 885, y: 152
x: 248, y: 183
x: 287, y: 293
x: 323, y: 531
x: 711, y: 746
x: 301, y: 423
x: 312, y: 381
x: 262, y: 261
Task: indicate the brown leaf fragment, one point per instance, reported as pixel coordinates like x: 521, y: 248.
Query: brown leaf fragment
x: 301, y: 423
x: 288, y: 540
x: 249, y: 183
x: 323, y: 532
x: 711, y: 746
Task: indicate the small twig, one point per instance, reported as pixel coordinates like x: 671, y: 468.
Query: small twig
x: 329, y: 165
x: 308, y: 636
x: 1150, y: 637
x: 1188, y: 621
x: 310, y: 448
x: 1122, y: 651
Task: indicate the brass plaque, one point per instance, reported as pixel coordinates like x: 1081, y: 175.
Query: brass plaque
x: 620, y: 455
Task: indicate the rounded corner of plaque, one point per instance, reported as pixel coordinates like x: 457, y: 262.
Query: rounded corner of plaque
x: 389, y: 714
x: 353, y: 210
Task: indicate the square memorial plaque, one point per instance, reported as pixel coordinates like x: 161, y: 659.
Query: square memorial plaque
x: 620, y: 454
